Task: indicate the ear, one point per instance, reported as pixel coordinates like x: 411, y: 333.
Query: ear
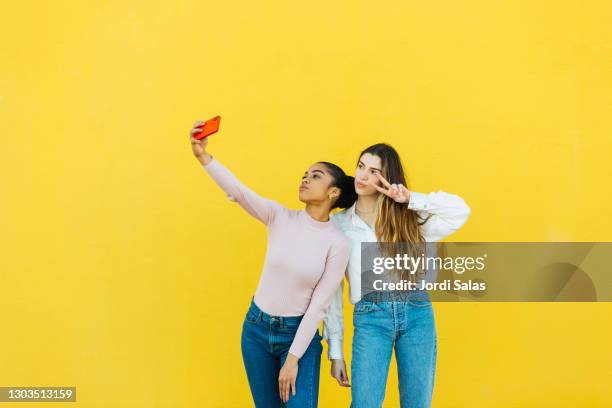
x: 333, y: 193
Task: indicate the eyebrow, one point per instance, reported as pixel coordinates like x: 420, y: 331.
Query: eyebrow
x: 360, y: 162
x: 315, y: 171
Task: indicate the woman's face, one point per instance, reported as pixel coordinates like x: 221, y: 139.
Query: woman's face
x: 365, y: 174
x: 315, y: 185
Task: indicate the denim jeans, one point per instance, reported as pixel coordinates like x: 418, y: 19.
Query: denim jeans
x: 265, y: 343
x: 408, y: 326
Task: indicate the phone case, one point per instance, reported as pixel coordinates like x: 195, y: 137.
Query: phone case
x: 210, y: 126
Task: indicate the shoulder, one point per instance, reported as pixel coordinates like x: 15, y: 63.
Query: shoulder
x: 281, y: 214
x: 291, y: 213
x: 340, y: 218
x: 340, y: 240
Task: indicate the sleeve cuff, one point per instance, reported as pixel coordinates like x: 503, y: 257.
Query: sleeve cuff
x: 335, y: 349
x: 418, y: 201
x: 212, y: 159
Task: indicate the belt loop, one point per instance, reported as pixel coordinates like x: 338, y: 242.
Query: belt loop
x: 281, y: 322
x: 259, y: 314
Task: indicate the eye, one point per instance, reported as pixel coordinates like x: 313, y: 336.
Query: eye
x: 359, y: 165
x: 316, y: 176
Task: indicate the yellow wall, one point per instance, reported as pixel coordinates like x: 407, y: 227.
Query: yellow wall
x: 126, y: 272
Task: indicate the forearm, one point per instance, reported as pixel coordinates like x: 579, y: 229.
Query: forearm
x: 445, y: 212
x: 333, y: 326
x: 439, y: 203
x: 223, y: 177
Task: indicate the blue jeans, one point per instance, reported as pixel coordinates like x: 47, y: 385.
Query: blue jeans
x: 265, y: 343
x: 409, y: 326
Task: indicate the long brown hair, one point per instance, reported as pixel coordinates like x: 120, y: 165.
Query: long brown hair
x: 394, y: 222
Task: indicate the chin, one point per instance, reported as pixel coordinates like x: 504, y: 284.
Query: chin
x: 365, y: 191
x: 360, y: 190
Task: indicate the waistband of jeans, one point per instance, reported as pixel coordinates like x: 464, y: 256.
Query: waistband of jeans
x: 268, y: 318
x: 396, y: 296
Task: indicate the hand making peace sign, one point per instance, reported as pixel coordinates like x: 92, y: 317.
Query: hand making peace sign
x: 398, y: 192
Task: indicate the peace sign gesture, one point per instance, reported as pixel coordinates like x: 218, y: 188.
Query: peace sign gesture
x: 398, y: 192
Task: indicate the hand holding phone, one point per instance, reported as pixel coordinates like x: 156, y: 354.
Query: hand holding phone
x: 208, y: 128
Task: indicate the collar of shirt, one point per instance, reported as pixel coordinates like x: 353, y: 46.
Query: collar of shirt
x: 356, y: 220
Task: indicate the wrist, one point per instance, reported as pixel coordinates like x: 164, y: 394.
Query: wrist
x: 291, y: 360
x: 408, y: 198
x: 418, y: 201
x: 204, y: 159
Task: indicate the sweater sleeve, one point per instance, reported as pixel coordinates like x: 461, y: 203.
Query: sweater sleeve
x: 263, y: 209
x: 445, y: 213
x: 335, y: 266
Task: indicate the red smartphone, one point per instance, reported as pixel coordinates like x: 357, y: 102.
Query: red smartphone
x: 208, y: 128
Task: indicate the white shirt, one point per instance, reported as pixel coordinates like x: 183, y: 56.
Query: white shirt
x: 448, y: 212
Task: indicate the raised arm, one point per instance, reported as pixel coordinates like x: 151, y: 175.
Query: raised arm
x: 445, y: 213
x: 259, y: 207
x: 263, y: 209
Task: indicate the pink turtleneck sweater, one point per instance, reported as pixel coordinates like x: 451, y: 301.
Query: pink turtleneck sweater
x: 305, y: 258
